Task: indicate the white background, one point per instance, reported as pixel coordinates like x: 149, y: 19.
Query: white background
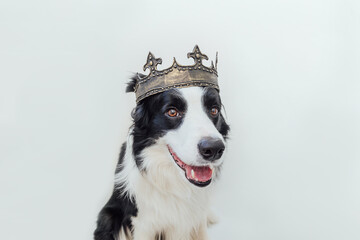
x: 290, y: 81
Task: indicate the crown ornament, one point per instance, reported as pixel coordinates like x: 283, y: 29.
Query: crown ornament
x: 176, y: 76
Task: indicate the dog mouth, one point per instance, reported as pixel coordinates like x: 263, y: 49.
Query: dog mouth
x: 198, y: 175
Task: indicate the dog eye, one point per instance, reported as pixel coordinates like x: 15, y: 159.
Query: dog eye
x: 172, y: 112
x: 214, y: 111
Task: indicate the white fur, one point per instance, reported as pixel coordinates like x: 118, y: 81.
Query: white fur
x: 167, y: 202
x: 196, y: 125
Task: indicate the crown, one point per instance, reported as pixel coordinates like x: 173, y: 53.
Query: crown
x: 176, y: 76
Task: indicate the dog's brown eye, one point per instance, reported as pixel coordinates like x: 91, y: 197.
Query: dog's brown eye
x: 214, y: 111
x: 172, y: 112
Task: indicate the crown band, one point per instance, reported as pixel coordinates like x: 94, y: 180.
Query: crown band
x: 176, y: 76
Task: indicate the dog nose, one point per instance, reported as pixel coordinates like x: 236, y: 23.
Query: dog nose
x: 211, y: 149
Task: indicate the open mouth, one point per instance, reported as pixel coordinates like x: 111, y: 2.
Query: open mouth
x: 198, y: 175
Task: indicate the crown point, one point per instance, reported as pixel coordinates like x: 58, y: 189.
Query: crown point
x: 216, y: 60
x: 197, y: 55
x: 152, y: 62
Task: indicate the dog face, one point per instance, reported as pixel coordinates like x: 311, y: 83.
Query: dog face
x: 187, y: 123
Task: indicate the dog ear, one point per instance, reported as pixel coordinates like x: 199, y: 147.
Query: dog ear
x: 131, y: 85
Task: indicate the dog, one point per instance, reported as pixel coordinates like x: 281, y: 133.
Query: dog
x: 167, y: 167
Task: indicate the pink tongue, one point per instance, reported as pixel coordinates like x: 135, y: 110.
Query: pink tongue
x: 201, y: 174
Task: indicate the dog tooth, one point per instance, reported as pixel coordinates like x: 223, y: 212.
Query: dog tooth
x: 211, y: 167
x: 192, y: 173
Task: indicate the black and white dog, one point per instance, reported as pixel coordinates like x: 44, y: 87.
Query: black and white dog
x: 167, y: 168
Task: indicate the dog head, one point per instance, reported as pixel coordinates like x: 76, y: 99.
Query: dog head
x: 185, y: 129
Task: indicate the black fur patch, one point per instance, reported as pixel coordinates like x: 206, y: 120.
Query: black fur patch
x: 121, y: 158
x: 151, y: 121
x: 117, y: 212
x: 211, y: 98
x: 160, y: 236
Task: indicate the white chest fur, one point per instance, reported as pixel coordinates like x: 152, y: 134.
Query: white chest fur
x: 167, y: 203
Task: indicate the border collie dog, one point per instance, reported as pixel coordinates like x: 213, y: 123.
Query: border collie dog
x: 167, y: 168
